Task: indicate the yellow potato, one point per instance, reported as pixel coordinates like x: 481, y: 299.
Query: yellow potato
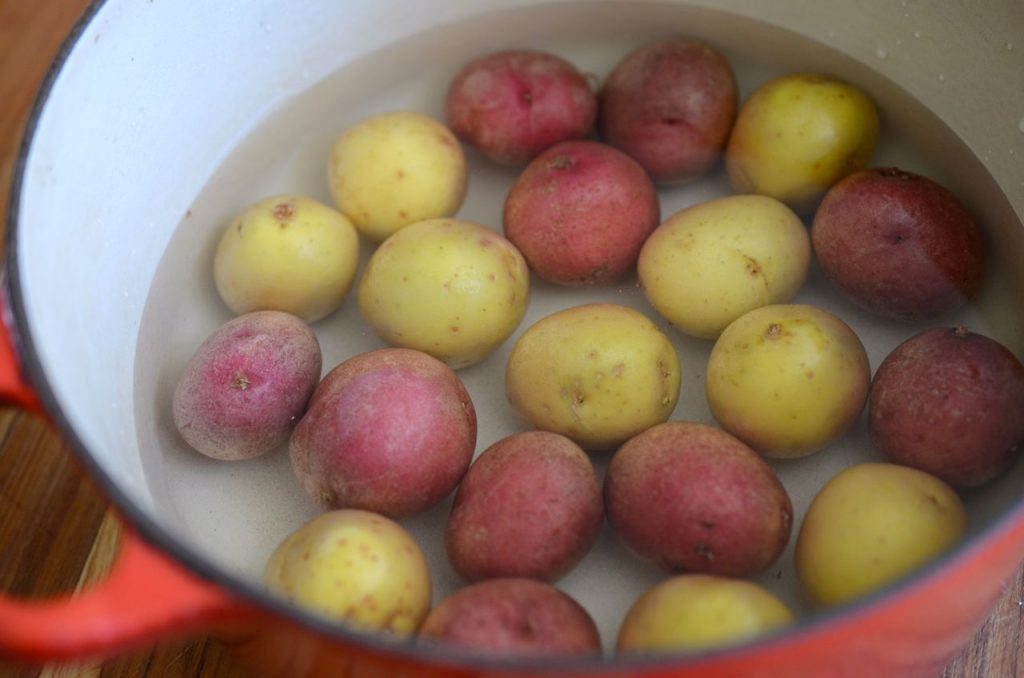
x: 870, y: 525
x: 356, y: 567
x: 696, y: 611
x: 395, y: 169
x: 598, y: 374
x: 450, y: 288
x: 799, y: 134
x: 787, y: 379
x: 709, y: 264
x: 287, y: 253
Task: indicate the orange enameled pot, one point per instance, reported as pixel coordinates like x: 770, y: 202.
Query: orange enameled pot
x: 159, y: 121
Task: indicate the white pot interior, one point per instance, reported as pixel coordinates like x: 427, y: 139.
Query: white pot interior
x: 169, y: 118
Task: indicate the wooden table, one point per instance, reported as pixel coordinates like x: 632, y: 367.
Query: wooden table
x: 56, y: 531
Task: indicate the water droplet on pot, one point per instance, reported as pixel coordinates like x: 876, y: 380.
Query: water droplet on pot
x: 1020, y: 125
x: 881, y: 53
x: 942, y: 77
x: 917, y: 34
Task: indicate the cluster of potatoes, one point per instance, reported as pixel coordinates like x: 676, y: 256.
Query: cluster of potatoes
x: 390, y: 433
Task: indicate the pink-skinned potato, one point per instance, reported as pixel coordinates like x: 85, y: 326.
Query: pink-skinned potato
x: 529, y: 506
x: 580, y: 212
x: 898, y: 244
x: 512, y: 617
x: 691, y: 497
x: 246, y: 385
x: 512, y: 105
x: 949, y: 402
x: 670, y: 105
x: 390, y: 431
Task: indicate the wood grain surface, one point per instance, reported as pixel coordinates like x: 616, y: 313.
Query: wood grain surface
x: 56, y: 530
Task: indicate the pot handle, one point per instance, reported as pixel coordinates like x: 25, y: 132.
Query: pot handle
x: 145, y: 597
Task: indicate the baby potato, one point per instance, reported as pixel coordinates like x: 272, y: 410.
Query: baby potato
x: 597, y: 373
x: 355, y: 567
x: 691, y: 497
x: 287, y: 253
x: 512, y: 617
x: 390, y: 431
x: 797, y: 135
x: 870, y: 525
x: 244, y: 388
x: 450, y: 288
x: 787, y: 379
x: 710, y: 263
x: 395, y: 169
x: 698, y: 611
x: 529, y: 506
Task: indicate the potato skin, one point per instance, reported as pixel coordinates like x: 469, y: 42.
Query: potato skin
x: 872, y: 524
x: 712, y: 262
x: 390, y: 431
x: 355, y: 567
x: 529, y: 506
x: 512, y: 617
x: 246, y: 385
x: 597, y: 373
x: 580, y: 212
x: 512, y: 105
x: 395, y: 169
x: 787, y: 379
x: 949, y: 402
x: 448, y: 287
x: 698, y: 611
x: 799, y: 134
x: 287, y: 253
x: 670, y: 105
x: 899, y: 244
x: 691, y: 497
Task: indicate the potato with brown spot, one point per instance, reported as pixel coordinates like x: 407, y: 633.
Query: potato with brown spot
x: 787, y: 379
x: 712, y: 262
x: 355, y: 567
x: 287, y: 253
x: 597, y: 374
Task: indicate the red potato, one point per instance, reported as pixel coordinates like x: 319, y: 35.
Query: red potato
x: 580, y: 213
x: 512, y: 617
x: 898, y: 244
x: 530, y: 506
x: 670, y: 105
x: 949, y: 402
x: 247, y: 385
x: 692, y: 497
x: 390, y: 431
x: 512, y: 105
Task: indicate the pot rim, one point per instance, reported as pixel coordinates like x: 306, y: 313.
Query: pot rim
x: 165, y: 541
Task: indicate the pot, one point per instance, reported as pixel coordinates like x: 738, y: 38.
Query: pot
x: 161, y: 120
